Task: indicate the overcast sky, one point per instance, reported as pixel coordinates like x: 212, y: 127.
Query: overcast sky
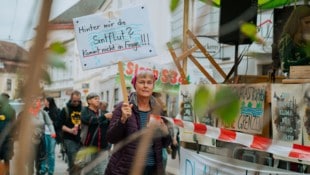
x: 19, y: 17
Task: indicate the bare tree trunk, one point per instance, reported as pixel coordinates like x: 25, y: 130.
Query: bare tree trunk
x: 36, y: 61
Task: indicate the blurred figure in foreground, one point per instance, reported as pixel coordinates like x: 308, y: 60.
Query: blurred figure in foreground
x: 39, y: 118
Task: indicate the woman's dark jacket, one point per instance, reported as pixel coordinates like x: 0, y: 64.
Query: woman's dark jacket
x: 121, y: 161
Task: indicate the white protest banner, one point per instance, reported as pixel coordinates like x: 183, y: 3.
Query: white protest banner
x: 210, y: 164
x: 105, y: 38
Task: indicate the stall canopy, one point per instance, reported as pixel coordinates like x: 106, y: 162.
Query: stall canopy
x: 262, y: 4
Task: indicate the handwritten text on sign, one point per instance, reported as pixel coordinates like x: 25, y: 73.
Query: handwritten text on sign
x: 105, y: 39
x: 250, y: 119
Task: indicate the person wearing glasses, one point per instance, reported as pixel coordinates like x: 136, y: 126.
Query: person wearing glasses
x: 70, y: 121
x: 130, y: 118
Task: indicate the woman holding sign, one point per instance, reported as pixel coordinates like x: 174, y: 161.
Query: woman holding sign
x: 129, y: 118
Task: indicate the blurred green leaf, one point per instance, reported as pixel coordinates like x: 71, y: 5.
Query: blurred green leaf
x: 227, y: 105
x: 58, y: 47
x: 84, y: 152
x: 46, y: 77
x: 174, y: 4
x: 249, y: 30
x: 202, y: 99
x: 56, y: 61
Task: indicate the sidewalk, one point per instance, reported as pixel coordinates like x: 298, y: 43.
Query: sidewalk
x: 173, y: 166
x: 60, y: 165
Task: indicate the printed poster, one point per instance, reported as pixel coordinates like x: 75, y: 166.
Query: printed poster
x: 251, y: 116
x: 105, y: 38
x: 187, y: 113
x: 286, y: 106
x: 305, y: 112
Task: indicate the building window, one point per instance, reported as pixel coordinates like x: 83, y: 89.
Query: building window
x: 116, y: 97
x: 8, y: 84
x: 107, y: 94
x: 101, y: 95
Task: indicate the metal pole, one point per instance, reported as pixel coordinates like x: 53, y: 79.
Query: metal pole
x: 236, y: 60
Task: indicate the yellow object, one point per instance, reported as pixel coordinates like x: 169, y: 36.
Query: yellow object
x: 2, y: 117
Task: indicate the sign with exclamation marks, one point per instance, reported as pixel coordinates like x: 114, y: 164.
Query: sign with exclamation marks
x: 145, y: 39
x: 104, y: 39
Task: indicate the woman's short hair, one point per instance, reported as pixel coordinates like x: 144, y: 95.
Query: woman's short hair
x: 143, y: 73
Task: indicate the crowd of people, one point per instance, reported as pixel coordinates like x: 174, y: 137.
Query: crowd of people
x: 76, y: 127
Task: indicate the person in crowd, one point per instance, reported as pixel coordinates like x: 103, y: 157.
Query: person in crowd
x: 103, y: 108
x: 295, y: 39
x: 97, y: 125
x: 48, y: 165
x: 164, y: 113
x: 129, y: 118
x: 69, y: 121
x: 7, y: 119
x: 39, y: 118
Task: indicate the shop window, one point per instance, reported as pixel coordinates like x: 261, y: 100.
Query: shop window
x: 9, y: 84
x: 101, y: 95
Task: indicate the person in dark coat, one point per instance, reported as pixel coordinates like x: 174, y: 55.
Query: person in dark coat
x: 97, y: 125
x: 69, y: 121
x: 7, y: 118
x: 129, y: 118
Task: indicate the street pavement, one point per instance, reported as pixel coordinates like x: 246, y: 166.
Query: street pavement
x: 61, y: 166
x: 173, y: 166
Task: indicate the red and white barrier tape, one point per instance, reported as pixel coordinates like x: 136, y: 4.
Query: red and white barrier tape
x: 275, y: 147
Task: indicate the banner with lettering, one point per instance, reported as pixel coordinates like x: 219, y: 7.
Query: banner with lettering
x: 168, y: 79
x: 208, y: 164
x: 251, y: 116
x: 105, y: 38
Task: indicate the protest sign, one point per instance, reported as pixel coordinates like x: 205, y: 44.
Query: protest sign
x: 105, y: 38
x: 169, y: 80
x: 287, y: 112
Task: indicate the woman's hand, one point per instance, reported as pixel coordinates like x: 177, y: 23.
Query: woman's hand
x: 159, y: 123
x: 53, y: 135
x: 108, y: 115
x: 126, y: 112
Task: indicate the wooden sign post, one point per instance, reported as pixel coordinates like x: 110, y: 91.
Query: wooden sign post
x: 122, y: 80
